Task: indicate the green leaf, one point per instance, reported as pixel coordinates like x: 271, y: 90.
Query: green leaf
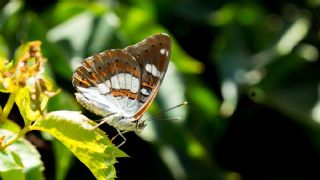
x: 13, y: 174
x: 67, y: 9
x: 8, y: 161
x: 92, y: 147
x: 10, y: 125
x: 63, y: 159
x: 4, y: 50
x: 70, y: 42
x: 204, y: 99
x: 24, y: 104
x: 22, y: 160
x: 184, y: 62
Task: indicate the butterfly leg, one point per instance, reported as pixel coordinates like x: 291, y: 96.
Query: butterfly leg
x: 122, y: 136
x: 104, y: 120
x: 114, y: 137
x: 119, y: 132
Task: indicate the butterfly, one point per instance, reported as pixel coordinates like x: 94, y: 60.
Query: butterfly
x: 120, y: 84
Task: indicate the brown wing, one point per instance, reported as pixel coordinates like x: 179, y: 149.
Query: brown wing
x: 152, y: 55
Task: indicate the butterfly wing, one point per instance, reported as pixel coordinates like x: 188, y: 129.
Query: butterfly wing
x: 152, y: 54
x: 109, y: 82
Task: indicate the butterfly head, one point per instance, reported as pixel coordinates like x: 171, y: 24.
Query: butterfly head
x: 123, y: 123
x: 140, y: 125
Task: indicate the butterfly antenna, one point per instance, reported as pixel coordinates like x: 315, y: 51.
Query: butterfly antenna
x: 164, y: 111
x: 164, y: 119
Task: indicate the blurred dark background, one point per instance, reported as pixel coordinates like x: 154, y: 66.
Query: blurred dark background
x: 249, y: 70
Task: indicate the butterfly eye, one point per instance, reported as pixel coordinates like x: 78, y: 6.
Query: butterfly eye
x: 140, y: 125
x: 137, y: 124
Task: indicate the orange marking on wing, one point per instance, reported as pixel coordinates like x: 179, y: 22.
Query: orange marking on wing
x: 82, y: 83
x: 148, y: 85
x: 123, y: 92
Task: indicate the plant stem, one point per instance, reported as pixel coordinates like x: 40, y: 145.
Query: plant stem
x: 16, y: 137
x: 7, y: 108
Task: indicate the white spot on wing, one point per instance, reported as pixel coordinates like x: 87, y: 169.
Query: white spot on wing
x: 108, y: 83
x: 135, y: 84
x: 122, y: 80
x: 104, y: 89
x: 151, y: 68
x: 145, y: 92
x: 115, y: 82
x: 162, y: 51
x: 155, y: 71
x: 128, y: 78
x: 148, y: 68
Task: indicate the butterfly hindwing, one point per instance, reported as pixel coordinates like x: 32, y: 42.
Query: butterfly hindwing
x: 109, y: 82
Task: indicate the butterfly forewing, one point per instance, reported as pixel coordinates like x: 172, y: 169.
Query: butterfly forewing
x: 153, y: 56
x: 109, y: 82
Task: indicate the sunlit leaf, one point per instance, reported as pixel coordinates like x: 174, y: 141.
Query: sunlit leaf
x: 24, y: 157
x: 10, y: 125
x: 24, y: 103
x: 92, y: 147
x: 8, y: 162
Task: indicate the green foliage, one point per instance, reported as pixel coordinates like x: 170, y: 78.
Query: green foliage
x: 23, y: 101
x: 30, y: 90
x: 20, y: 160
x: 90, y: 146
x: 249, y: 71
